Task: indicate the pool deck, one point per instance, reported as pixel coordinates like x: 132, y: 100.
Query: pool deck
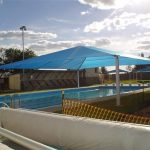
x: 6, y: 144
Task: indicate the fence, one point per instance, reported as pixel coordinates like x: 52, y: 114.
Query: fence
x: 76, y: 108
x: 33, y: 100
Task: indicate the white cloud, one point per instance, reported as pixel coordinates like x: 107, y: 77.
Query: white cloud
x: 135, y: 45
x: 31, y: 35
x: 49, y: 46
x: 141, y: 43
x: 147, y: 33
x: 11, y: 46
x: 84, y: 13
x: 120, y: 22
x: 116, y: 4
x: 76, y: 30
x: 58, y: 20
x: 144, y: 47
x: 1, y: 1
x: 106, y: 4
x: 144, y: 44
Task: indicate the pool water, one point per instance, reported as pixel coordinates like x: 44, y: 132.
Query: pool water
x: 38, y: 100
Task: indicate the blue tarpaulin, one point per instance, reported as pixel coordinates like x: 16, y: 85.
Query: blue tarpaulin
x: 77, y: 58
x: 80, y: 57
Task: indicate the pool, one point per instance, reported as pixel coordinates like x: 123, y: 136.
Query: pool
x: 39, y: 100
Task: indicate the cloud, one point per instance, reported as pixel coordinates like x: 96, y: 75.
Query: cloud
x: 59, y: 45
x: 147, y: 33
x: 142, y: 43
x: 30, y: 35
x: 106, y: 4
x: 145, y: 42
x: 76, y: 29
x: 102, y: 42
x: 1, y: 2
x: 84, y: 13
x: 134, y: 45
x: 120, y: 22
x: 58, y: 20
x: 11, y: 46
x: 144, y: 47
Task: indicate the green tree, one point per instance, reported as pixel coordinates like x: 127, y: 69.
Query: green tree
x: 14, y: 54
x: 103, y: 70
x: 2, y: 56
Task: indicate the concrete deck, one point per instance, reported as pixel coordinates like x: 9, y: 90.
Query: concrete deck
x: 6, y: 144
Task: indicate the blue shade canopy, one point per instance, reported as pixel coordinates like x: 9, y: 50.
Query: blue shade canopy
x: 80, y: 57
x: 120, y: 70
x: 144, y: 70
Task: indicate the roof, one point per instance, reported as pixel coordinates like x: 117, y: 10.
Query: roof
x: 144, y: 70
x: 120, y: 70
x: 80, y: 57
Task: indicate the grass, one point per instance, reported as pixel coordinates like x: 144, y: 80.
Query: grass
x: 143, y: 81
x: 128, y: 81
x: 8, y: 92
x: 122, y: 81
x: 129, y: 104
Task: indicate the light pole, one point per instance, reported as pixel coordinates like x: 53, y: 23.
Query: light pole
x: 23, y: 28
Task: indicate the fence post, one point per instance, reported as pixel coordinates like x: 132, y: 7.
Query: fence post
x: 11, y: 101
x: 62, y: 97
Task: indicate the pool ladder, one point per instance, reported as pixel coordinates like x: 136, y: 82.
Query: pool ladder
x: 12, y: 101
x: 16, y: 101
x: 4, y: 104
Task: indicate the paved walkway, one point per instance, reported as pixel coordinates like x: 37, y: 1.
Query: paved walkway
x: 9, y: 145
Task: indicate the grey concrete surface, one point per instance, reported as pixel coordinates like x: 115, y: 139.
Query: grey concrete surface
x: 6, y: 144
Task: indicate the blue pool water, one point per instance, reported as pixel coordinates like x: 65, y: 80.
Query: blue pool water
x: 54, y: 98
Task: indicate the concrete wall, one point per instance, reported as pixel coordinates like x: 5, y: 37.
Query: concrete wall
x: 15, y: 82
x: 94, y: 72
x: 39, y: 80
x: 75, y: 133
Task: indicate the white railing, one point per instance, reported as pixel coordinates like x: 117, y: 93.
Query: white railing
x: 4, y: 104
x: 21, y: 140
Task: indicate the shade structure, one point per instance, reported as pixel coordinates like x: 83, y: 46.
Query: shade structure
x: 80, y: 57
x: 77, y: 58
x: 147, y: 69
x: 114, y: 71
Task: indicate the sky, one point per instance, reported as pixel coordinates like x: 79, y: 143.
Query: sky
x: 53, y: 25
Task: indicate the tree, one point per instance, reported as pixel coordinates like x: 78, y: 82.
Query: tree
x: 129, y: 68
x: 14, y: 54
x: 103, y: 70
x: 2, y: 55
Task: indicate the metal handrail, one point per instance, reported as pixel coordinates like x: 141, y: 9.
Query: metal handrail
x: 4, y: 104
x: 14, y: 97
x: 7, y: 99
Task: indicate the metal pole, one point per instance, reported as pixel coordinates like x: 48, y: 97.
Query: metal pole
x: 78, y: 78
x: 117, y: 81
x: 23, y: 28
x: 62, y: 98
x: 23, y: 44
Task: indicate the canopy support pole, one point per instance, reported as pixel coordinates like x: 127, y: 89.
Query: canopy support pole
x: 117, y: 81
x: 78, y: 78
